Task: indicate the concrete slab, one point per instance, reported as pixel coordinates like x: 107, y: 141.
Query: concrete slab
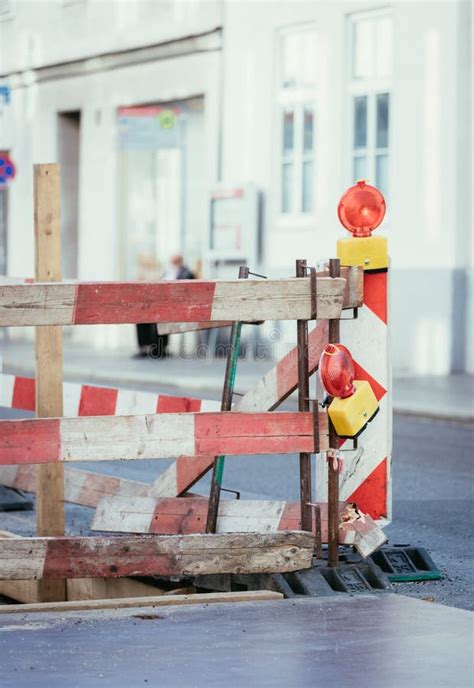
x: 385, y: 641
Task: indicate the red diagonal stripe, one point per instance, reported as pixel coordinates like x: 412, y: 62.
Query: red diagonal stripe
x: 97, y: 401
x: 362, y: 374
x: 167, y: 404
x: 179, y: 516
x: 24, y: 394
x: 287, y: 367
x: 189, y: 469
x: 254, y: 433
x: 290, y: 517
x: 371, y: 495
x: 375, y: 293
x: 141, y: 303
x: 19, y: 440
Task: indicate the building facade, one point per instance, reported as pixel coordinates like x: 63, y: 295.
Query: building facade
x: 167, y: 117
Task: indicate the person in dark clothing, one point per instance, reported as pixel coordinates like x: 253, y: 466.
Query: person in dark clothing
x: 150, y: 343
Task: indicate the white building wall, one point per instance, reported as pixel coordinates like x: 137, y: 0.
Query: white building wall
x: 30, y: 129
x: 48, y: 32
x: 429, y: 223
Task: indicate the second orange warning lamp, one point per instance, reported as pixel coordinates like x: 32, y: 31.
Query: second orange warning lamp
x: 354, y: 404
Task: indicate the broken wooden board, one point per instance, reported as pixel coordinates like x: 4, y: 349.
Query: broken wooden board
x: 97, y: 303
x: 181, y: 516
x: 153, y: 555
x: 177, y: 515
x: 368, y: 537
x: 80, y: 588
x: 141, y: 602
x: 81, y: 487
x: 53, y: 440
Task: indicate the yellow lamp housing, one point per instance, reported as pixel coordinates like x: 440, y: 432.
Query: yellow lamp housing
x: 370, y: 252
x: 351, y: 415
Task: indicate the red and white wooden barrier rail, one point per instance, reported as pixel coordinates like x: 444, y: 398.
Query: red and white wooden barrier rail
x: 183, y: 300
x: 91, y: 400
x: 109, y: 438
x: 148, y: 555
x: 178, y: 515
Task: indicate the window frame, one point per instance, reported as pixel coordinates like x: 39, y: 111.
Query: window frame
x: 298, y: 99
x: 370, y: 87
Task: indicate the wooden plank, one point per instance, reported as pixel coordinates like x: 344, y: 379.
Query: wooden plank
x: 29, y: 591
x: 159, y: 436
x: 81, y: 487
x: 148, y: 555
x: 367, y: 535
x: 179, y: 328
x: 167, y: 301
x: 109, y: 588
x: 92, y: 400
x: 353, y: 297
x: 141, y: 602
x: 178, y: 515
x: 49, y: 359
x: 22, y: 590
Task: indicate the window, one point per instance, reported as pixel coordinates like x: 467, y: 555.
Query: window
x: 370, y: 75
x: 296, y: 96
x: 7, y: 10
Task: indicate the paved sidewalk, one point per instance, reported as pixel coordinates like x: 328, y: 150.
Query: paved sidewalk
x: 450, y: 397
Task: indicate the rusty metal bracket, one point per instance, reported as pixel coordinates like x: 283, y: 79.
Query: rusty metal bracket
x: 236, y: 492
x: 355, y: 314
x: 256, y: 274
x: 316, y: 425
x: 313, y: 285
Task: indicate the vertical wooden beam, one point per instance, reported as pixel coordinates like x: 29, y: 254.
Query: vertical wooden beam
x: 49, y: 360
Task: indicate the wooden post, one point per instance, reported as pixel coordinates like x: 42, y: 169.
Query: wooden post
x: 49, y: 361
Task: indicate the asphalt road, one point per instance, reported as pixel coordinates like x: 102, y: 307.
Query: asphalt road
x: 432, y: 497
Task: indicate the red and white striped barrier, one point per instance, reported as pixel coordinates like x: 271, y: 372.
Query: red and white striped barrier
x: 148, y: 555
x: 169, y: 516
x: 52, y: 440
x: 80, y: 487
x: 182, y: 474
x: 91, y: 400
x: 366, y: 477
x: 183, y: 300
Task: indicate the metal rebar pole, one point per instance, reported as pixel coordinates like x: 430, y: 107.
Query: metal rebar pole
x: 226, y: 405
x: 333, y: 472
x: 303, y: 405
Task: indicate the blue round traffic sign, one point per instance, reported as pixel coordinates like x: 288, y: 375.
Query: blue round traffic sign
x: 7, y: 169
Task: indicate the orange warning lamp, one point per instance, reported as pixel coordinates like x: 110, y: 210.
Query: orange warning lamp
x: 354, y: 403
x: 361, y: 210
x: 337, y: 371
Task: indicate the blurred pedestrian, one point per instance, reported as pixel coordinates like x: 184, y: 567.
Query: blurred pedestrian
x: 177, y: 269
x: 150, y: 343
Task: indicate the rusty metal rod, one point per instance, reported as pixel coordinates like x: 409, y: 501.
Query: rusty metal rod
x: 333, y: 472
x: 303, y: 405
x: 226, y: 405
